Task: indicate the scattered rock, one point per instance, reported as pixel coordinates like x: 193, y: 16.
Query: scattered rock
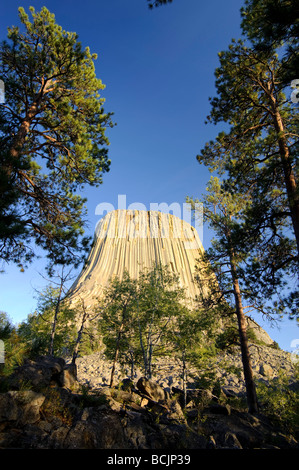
x: 266, y: 371
x: 94, y: 370
x: 53, y: 414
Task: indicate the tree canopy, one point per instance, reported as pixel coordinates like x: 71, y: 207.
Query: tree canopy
x: 157, y: 3
x: 224, y: 213
x: 52, y: 139
x: 271, y: 24
x: 137, y: 315
x: 258, y: 154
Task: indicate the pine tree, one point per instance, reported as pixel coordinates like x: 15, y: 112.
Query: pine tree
x: 116, y: 320
x: 261, y: 145
x: 272, y: 25
x: 52, y: 139
x: 223, y: 212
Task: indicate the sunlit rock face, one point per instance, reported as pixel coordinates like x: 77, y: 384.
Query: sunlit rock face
x: 133, y: 240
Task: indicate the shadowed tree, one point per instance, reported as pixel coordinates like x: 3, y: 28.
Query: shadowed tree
x: 157, y: 3
x: 273, y: 24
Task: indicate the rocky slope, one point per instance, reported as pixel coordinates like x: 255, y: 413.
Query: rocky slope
x: 49, y: 404
x: 94, y: 370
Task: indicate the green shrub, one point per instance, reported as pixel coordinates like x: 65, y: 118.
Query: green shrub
x: 227, y: 339
x: 279, y: 402
x: 15, y: 350
x: 53, y: 406
x: 88, y: 399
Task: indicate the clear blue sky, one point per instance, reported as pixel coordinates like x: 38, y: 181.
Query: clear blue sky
x: 158, y: 67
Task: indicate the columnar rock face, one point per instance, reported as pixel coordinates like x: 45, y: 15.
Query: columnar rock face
x: 134, y: 240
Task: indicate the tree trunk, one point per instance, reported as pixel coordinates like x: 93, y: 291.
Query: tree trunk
x: 51, y: 349
x: 23, y: 131
x: 246, y: 361
x: 117, y: 345
x: 149, y: 363
x: 131, y: 353
x: 80, y: 332
x: 144, y: 354
x: 24, y: 128
x: 116, y: 354
x: 184, y: 377
x: 289, y: 176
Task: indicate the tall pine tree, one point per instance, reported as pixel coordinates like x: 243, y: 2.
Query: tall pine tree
x: 223, y: 212
x: 52, y: 139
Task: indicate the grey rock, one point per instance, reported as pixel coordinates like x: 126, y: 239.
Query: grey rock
x: 231, y: 441
x: 151, y: 389
x: 68, y: 376
x: 22, y: 407
x: 37, y: 374
x: 218, y: 409
x: 266, y: 370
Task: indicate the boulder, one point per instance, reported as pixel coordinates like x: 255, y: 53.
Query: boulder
x: 175, y: 411
x: 20, y: 407
x: 144, y: 417
x: 68, y: 376
x: 218, y: 409
x: 8, y: 407
x: 127, y: 384
x: 38, y: 374
x: 151, y: 389
x: 266, y: 370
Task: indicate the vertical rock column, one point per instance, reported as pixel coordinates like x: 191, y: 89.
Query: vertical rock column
x: 133, y: 241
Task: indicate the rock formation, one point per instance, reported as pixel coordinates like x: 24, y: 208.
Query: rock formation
x: 134, y: 240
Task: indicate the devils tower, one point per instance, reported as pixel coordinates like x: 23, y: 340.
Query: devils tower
x: 134, y: 240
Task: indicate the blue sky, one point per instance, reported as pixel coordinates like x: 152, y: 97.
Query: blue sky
x: 158, y: 67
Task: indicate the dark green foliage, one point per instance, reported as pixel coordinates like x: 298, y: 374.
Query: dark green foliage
x: 6, y: 326
x: 91, y: 341
x: 280, y: 402
x: 52, y: 139
x: 271, y: 24
x: 15, y: 348
x: 137, y: 316
x: 257, y: 156
x: 228, y: 338
x: 157, y: 3
x: 36, y: 330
